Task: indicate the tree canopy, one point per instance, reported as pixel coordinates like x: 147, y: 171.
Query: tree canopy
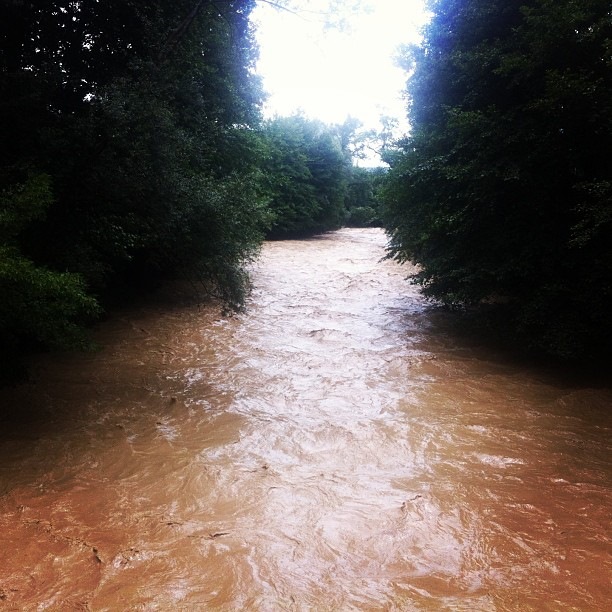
x: 306, y: 167
x: 363, y: 196
x: 129, y: 153
x: 134, y: 151
x: 503, y: 191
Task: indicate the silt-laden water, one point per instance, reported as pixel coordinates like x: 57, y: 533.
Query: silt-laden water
x: 339, y: 446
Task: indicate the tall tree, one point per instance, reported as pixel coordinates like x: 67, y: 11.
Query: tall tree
x: 503, y: 192
x: 362, y: 198
x: 306, y: 172
x: 140, y: 116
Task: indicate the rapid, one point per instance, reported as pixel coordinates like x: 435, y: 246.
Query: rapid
x: 337, y: 446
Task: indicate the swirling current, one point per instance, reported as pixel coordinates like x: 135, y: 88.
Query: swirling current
x: 337, y: 446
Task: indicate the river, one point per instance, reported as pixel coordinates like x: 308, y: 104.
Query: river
x: 338, y: 446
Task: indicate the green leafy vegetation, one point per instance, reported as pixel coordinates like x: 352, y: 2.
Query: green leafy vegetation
x: 310, y: 179
x: 306, y: 169
x: 363, y: 197
x: 39, y: 306
x: 130, y: 154
x: 134, y: 152
x: 502, y: 193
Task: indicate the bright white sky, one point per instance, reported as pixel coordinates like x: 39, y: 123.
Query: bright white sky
x: 330, y: 74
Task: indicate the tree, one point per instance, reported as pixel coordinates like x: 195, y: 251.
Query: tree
x: 503, y: 191
x: 362, y: 199
x: 39, y: 307
x: 142, y: 116
x: 306, y: 171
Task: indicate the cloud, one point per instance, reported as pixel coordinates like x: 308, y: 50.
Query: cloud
x: 333, y: 73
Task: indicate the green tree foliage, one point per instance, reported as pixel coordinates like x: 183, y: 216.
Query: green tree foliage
x: 362, y: 199
x: 39, y: 307
x: 503, y: 192
x: 142, y: 116
x: 306, y: 172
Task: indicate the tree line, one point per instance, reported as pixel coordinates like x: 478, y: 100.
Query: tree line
x: 502, y: 193
x: 133, y: 150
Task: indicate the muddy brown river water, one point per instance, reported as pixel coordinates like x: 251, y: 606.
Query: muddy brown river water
x: 336, y: 447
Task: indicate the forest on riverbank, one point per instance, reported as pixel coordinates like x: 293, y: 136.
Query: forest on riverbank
x: 502, y: 193
x: 134, y: 150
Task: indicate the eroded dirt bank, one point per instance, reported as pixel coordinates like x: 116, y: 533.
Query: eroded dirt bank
x: 337, y: 447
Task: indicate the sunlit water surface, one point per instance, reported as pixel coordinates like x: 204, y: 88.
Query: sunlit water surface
x: 336, y: 447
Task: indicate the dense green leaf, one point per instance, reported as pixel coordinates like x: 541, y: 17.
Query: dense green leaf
x: 306, y: 168
x: 143, y: 118
x: 502, y: 191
